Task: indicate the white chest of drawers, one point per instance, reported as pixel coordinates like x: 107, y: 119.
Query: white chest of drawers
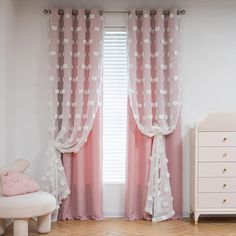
x: 213, y: 166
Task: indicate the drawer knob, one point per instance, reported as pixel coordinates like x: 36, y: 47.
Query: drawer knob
x: 225, y: 154
x: 224, y: 201
x: 224, y: 139
x: 224, y: 170
x: 224, y: 185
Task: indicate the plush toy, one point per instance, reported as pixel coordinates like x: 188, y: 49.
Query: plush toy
x: 15, y: 183
x: 19, y: 165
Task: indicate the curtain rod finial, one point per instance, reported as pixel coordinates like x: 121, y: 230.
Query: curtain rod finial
x: 46, y: 11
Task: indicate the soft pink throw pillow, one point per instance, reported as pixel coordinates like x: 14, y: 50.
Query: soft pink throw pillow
x: 15, y: 183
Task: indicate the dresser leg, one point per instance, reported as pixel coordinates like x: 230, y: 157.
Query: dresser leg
x: 196, y: 216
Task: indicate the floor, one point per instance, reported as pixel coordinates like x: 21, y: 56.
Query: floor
x: 119, y: 227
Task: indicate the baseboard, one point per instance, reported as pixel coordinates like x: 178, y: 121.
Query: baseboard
x: 186, y: 214
x: 113, y: 214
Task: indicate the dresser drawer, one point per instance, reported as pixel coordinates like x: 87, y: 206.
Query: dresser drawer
x: 217, y: 138
x: 226, y: 169
x: 217, y: 185
x: 223, y: 154
x: 216, y: 200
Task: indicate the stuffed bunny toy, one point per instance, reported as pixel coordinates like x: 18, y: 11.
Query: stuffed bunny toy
x: 19, y: 165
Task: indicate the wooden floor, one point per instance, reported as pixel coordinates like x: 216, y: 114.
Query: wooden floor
x: 119, y: 227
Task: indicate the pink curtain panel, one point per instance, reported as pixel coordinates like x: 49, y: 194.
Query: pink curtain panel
x: 137, y: 170
x: 84, y: 173
x: 75, y: 74
x: 155, y: 87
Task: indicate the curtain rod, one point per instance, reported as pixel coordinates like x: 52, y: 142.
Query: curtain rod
x: 74, y: 12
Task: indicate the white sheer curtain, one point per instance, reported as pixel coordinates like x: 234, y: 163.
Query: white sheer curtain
x: 155, y: 95
x: 75, y: 73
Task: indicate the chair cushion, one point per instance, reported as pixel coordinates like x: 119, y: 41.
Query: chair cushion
x: 27, y: 205
x: 15, y: 183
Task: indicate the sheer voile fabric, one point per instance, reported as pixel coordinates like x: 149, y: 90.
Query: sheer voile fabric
x: 84, y: 174
x: 138, y: 151
x: 75, y: 74
x: 154, y: 44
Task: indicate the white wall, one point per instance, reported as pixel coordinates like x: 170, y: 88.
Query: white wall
x: 208, y: 69
x: 2, y: 84
x: 31, y: 130
x: 7, y: 101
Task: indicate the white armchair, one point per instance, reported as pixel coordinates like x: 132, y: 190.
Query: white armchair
x: 22, y: 207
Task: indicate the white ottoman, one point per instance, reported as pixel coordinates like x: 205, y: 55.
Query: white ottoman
x: 22, y: 207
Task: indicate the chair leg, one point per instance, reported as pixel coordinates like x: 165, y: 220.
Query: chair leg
x: 44, y: 223
x: 2, y: 226
x: 20, y: 227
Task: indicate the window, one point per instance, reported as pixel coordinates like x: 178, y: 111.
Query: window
x: 114, y: 105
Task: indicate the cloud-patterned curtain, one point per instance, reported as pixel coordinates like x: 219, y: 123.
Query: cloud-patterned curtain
x: 155, y: 95
x: 75, y: 74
